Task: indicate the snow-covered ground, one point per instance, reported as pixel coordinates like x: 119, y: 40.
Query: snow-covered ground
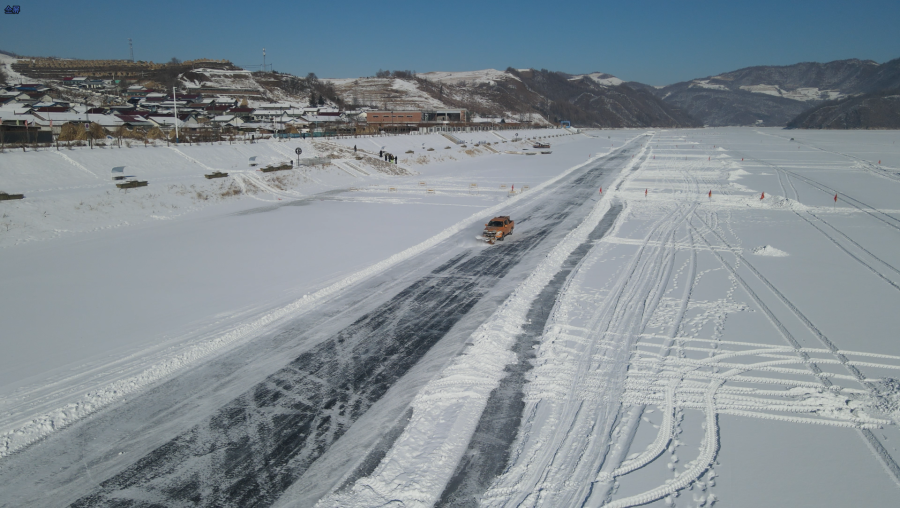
x: 709, y: 324
x: 713, y: 329
x: 756, y: 381
x: 109, y: 290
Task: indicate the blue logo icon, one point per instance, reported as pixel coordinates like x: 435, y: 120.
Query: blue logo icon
x: 11, y: 9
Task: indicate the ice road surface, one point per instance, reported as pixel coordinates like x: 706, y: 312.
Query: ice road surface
x: 335, y: 336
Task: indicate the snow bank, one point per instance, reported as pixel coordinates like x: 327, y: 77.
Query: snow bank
x: 768, y: 250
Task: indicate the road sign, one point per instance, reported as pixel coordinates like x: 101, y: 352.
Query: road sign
x: 87, y: 126
x: 298, y: 151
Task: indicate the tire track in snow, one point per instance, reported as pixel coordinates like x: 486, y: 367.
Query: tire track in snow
x: 887, y: 461
x: 489, y: 448
x: 615, y: 464
x: 700, y: 465
x: 569, y: 450
x: 191, y: 159
x: 865, y: 164
x: 852, y: 255
x: 448, y: 410
x: 643, y: 378
x: 779, y: 171
x: 860, y: 247
x: 765, y: 308
x: 256, y: 446
x: 872, y: 211
x: 76, y: 164
x: 43, y: 425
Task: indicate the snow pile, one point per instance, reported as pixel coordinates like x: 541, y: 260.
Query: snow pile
x: 768, y: 250
x: 887, y: 398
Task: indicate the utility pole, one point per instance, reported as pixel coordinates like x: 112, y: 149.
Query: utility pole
x: 264, y: 59
x: 175, y: 102
x: 131, y: 49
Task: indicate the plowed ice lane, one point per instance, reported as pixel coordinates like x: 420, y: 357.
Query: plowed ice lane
x: 316, y: 402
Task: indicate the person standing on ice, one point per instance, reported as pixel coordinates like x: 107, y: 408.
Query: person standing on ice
x: 354, y: 148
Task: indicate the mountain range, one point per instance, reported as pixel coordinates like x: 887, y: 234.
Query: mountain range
x: 840, y: 94
x: 775, y: 95
x: 772, y: 96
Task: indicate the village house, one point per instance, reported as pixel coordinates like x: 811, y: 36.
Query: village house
x: 241, y: 112
x: 187, y: 121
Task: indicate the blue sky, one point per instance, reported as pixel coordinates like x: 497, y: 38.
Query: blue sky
x: 654, y: 42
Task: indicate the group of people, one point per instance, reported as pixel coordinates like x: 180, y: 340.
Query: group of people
x: 390, y: 158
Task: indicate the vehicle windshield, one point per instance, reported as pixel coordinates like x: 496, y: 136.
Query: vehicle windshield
x: 496, y: 223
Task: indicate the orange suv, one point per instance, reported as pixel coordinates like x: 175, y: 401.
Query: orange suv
x: 498, y: 229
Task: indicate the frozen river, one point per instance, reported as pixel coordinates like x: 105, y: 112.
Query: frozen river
x: 714, y: 327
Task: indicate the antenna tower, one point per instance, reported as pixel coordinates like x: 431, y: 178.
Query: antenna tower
x: 131, y: 49
x: 264, y: 59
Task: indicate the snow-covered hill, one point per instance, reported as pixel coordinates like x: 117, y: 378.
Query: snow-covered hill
x: 773, y: 95
x: 541, y: 96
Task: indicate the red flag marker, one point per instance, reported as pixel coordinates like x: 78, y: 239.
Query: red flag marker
x: 763, y: 196
x: 835, y: 197
x: 709, y: 158
x: 710, y: 193
x: 742, y: 158
x: 51, y: 125
x: 645, y: 192
x: 601, y: 190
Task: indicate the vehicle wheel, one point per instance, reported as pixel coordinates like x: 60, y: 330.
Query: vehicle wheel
x: 501, y: 238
